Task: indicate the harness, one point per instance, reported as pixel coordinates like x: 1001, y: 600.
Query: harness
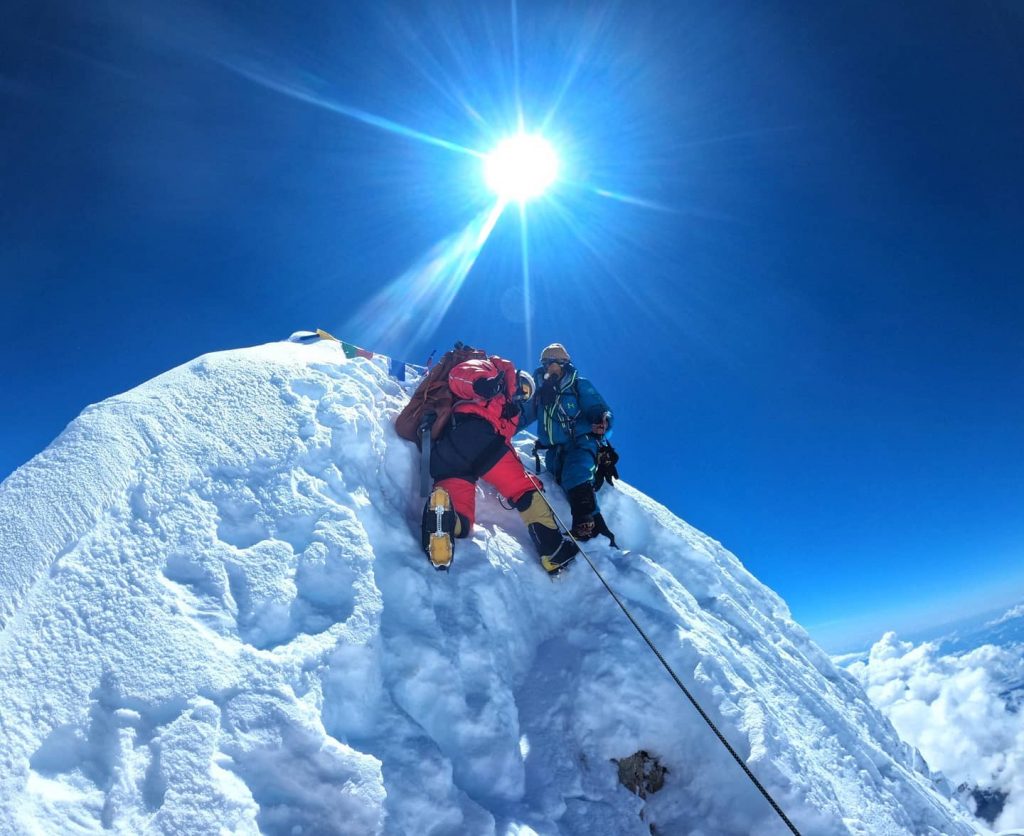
x: 565, y: 421
x: 556, y: 409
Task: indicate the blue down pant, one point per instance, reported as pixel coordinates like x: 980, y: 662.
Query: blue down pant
x: 574, y: 463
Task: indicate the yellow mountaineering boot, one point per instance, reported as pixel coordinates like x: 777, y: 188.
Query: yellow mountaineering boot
x: 556, y: 550
x: 561, y: 557
x: 440, y: 526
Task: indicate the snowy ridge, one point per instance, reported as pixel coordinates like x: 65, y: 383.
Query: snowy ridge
x: 216, y: 619
x: 48, y: 504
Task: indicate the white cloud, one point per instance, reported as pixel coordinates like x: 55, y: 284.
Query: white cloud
x: 1009, y: 615
x: 953, y: 709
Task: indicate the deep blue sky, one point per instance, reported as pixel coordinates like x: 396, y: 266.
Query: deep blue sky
x: 816, y: 354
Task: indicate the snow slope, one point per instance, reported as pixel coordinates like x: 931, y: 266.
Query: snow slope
x: 215, y: 619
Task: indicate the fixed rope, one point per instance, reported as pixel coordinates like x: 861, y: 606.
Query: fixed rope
x: 693, y: 701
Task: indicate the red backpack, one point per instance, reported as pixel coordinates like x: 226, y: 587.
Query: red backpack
x: 433, y: 397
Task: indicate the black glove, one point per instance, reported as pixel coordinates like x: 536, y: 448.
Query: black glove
x: 607, y: 458
x: 511, y: 409
x: 487, y: 387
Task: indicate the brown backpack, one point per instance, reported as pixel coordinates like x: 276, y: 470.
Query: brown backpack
x: 433, y: 396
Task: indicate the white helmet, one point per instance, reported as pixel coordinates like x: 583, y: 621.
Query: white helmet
x: 525, y: 387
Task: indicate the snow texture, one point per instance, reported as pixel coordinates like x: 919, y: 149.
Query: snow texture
x: 215, y: 619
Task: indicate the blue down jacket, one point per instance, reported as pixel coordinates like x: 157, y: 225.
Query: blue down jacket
x: 564, y: 426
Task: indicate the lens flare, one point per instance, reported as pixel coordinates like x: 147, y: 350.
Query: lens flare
x: 409, y: 309
x: 521, y: 168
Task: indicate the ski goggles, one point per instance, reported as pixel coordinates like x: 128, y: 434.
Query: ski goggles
x: 547, y: 361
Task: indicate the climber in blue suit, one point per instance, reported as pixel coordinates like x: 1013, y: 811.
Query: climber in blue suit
x: 573, y: 419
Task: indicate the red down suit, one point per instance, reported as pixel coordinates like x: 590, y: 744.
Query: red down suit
x: 476, y: 442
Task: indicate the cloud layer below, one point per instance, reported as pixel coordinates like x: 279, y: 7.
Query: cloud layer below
x: 960, y: 710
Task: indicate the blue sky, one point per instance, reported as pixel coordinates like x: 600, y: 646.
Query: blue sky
x: 814, y: 344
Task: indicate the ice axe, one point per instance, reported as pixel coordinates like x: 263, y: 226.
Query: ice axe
x: 424, y: 433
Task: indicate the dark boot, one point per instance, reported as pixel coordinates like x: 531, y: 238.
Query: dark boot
x: 583, y: 504
x: 555, y: 549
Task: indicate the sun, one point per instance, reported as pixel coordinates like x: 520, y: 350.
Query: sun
x: 522, y: 167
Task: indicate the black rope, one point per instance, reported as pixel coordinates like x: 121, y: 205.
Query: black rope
x: 678, y: 681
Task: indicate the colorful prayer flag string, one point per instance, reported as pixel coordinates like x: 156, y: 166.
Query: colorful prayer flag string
x: 398, y: 369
